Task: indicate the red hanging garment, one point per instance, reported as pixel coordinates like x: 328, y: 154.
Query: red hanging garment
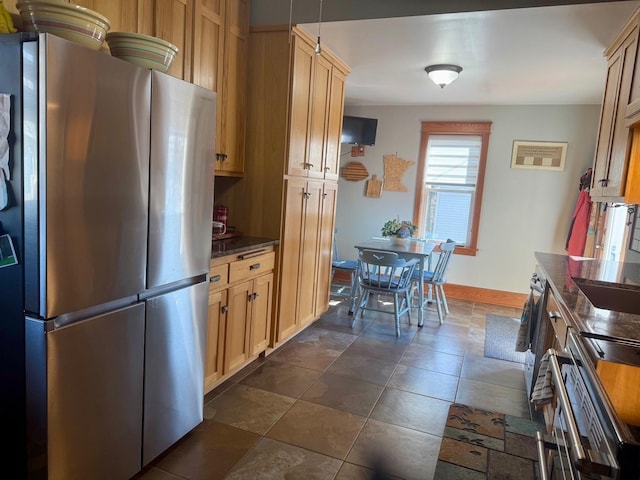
x: 578, y: 231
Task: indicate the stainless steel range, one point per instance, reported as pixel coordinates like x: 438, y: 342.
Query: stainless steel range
x: 593, y: 420
x: 586, y: 436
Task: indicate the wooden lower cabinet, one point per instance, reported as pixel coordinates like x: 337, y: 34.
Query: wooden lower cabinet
x: 240, y: 304
x: 325, y: 246
x: 309, y: 254
x: 261, y: 314
x: 306, y: 249
x: 236, y: 344
x: 216, y: 324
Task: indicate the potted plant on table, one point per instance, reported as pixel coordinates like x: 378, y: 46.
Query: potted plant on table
x: 399, y: 230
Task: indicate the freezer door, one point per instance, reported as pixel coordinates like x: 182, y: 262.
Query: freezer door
x: 183, y: 118
x: 174, y: 359
x: 85, y: 396
x: 86, y: 180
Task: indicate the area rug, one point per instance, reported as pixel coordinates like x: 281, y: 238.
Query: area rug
x: 478, y: 444
x: 500, y: 338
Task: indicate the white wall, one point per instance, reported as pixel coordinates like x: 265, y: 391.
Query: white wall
x: 523, y: 211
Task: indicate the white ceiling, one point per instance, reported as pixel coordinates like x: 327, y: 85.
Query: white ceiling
x: 524, y: 56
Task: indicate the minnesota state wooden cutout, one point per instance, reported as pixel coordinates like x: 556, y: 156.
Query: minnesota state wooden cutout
x: 394, y: 169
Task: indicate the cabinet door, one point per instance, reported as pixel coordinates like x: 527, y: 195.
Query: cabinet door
x: 334, y: 124
x: 122, y: 14
x: 614, y: 140
x: 302, y: 71
x: 261, y: 313
x: 621, y: 143
x: 307, y: 290
x: 632, y: 191
x: 290, y: 248
x: 174, y: 23
x: 325, y: 246
x: 216, y: 322
x: 607, y: 116
x: 208, y: 43
x: 230, y: 129
x: 318, y: 117
x: 236, y: 349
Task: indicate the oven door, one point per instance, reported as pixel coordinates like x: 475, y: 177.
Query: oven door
x: 576, y: 447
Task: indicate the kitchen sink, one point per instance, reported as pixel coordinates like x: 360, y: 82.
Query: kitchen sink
x: 610, y: 296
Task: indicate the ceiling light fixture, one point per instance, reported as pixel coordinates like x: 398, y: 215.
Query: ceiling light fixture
x: 318, y: 49
x: 443, y: 74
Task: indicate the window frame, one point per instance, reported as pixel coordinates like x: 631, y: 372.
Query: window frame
x: 482, y: 129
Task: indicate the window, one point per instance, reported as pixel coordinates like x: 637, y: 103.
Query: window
x: 449, y: 182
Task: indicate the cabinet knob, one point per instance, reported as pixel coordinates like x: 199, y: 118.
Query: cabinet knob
x: 603, y: 182
x: 224, y: 309
x: 327, y: 169
x: 324, y: 195
x: 215, y: 278
x: 307, y: 195
x: 308, y: 166
x: 255, y: 266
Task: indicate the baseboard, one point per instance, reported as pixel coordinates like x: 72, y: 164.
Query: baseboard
x: 463, y: 292
x: 485, y: 295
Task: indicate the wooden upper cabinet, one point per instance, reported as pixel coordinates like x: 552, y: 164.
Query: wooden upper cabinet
x: 301, y: 89
x: 173, y: 22
x: 317, y: 104
x: 334, y: 124
x: 122, y: 14
x: 170, y: 20
x: 318, y: 117
x: 208, y: 43
x: 232, y: 81
x: 614, y: 137
x: 607, y: 119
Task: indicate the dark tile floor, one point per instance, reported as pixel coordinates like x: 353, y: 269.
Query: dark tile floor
x: 336, y: 399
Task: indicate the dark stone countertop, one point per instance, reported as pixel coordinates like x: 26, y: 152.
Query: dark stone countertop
x: 585, y: 318
x: 231, y: 246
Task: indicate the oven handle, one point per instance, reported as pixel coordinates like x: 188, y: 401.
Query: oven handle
x: 621, y: 431
x: 565, y: 404
x: 542, y: 461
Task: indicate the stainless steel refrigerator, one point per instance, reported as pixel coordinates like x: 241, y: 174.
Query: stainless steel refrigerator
x: 110, y: 198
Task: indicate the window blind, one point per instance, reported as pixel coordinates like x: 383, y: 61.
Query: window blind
x: 451, y: 174
x: 453, y: 159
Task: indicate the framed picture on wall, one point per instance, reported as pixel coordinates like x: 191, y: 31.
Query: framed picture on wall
x: 539, y: 155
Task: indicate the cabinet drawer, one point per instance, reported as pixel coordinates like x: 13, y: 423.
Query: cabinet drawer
x: 219, y: 276
x: 251, y: 267
x: 556, y: 319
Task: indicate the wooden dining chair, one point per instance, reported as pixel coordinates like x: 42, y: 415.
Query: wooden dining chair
x: 337, y: 264
x: 385, y: 273
x: 436, y: 278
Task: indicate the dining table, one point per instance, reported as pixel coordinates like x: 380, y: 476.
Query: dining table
x: 411, y: 249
